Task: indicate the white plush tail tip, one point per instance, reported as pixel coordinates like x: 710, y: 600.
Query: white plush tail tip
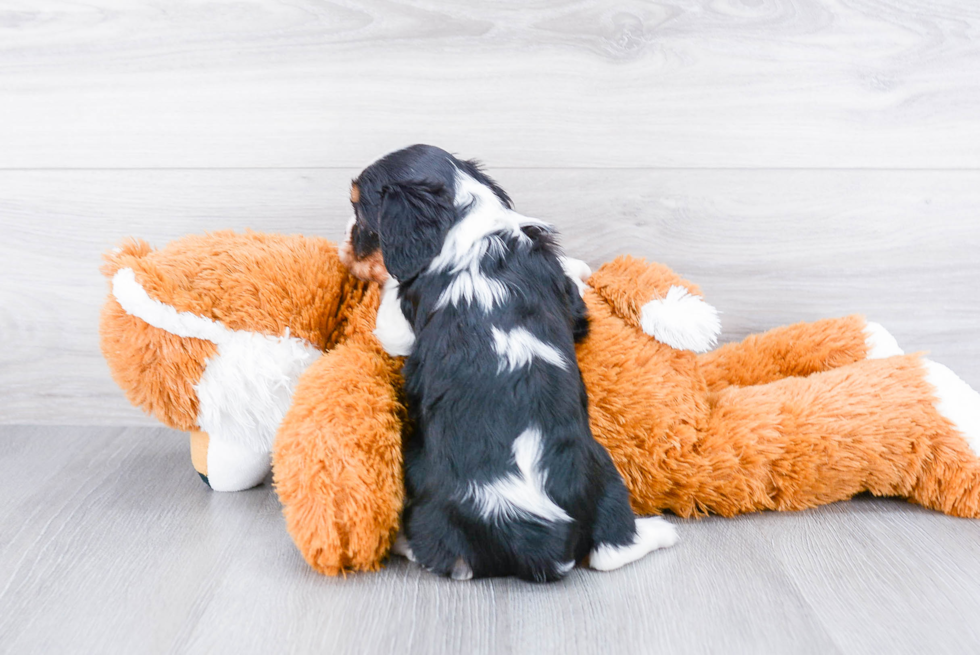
x: 681, y: 321
x: 880, y: 342
x: 957, y: 401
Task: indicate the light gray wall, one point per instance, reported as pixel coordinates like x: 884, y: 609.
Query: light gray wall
x: 798, y: 159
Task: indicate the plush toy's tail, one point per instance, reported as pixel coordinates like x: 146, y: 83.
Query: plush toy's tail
x: 900, y: 426
x: 950, y: 480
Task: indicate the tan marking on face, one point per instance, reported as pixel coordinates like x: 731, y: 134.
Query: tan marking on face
x: 355, y: 194
x: 370, y: 268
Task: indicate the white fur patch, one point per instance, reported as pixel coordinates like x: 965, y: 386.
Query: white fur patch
x: 401, y: 547
x: 471, y: 284
x: 681, y: 321
x: 519, y: 495
x: 471, y: 239
x: 957, y: 401
x: 652, y: 532
x: 461, y: 570
x: 565, y: 567
x: 247, y: 387
x: 390, y: 326
x: 578, y: 271
x: 518, y: 347
x: 880, y: 342
x: 232, y: 467
x: 131, y: 296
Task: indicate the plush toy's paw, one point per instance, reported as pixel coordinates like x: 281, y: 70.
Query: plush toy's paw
x: 577, y: 270
x: 231, y: 467
x: 880, y: 342
x: 652, y: 533
x: 681, y: 321
x: 957, y: 401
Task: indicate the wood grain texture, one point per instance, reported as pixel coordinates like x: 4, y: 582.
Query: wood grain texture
x: 558, y: 83
x: 111, y: 544
x: 768, y: 248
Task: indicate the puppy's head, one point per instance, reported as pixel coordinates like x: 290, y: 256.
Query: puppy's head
x: 404, y: 204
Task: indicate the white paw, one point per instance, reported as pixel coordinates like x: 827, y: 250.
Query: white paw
x: 578, y: 271
x: 652, y: 533
x: 233, y: 467
x: 391, y: 327
x: 401, y: 547
x: 461, y: 570
x: 880, y: 342
x: 957, y: 401
x: 681, y: 321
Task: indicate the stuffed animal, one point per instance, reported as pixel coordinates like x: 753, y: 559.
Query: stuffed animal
x: 261, y: 343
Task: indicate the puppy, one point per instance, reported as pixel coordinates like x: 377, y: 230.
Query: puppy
x: 502, y: 474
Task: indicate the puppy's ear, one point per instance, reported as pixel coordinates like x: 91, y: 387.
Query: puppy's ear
x: 415, y: 217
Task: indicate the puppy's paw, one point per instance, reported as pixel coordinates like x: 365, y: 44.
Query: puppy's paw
x: 652, y: 533
x: 401, y: 547
x: 461, y: 570
x: 656, y: 532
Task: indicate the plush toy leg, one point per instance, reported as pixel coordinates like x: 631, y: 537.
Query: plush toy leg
x: 882, y: 426
x: 950, y: 479
x: 199, y: 454
x: 337, y: 459
x: 796, y: 350
x: 232, y: 467
x: 227, y: 467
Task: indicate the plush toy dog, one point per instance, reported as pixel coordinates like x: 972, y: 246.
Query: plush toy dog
x: 259, y: 343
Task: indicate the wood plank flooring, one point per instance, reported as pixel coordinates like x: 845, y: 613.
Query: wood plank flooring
x: 111, y: 544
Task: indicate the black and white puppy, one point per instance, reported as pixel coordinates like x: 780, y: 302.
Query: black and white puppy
x: 503, y: 476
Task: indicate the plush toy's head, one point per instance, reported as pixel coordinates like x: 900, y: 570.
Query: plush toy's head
x: 211, y: 332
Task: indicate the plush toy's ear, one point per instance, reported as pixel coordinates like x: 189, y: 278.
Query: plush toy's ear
x: 123, y: 255
x: 415, y: 217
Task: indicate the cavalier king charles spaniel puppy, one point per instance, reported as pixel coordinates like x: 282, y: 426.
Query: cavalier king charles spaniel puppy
x: 502, y: 473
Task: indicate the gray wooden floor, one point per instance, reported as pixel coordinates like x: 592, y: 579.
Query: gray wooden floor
x: 109, y: 543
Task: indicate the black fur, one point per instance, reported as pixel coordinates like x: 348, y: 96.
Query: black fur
x: 467, y: 414
x: 416, y: 162
x: 416, y: 214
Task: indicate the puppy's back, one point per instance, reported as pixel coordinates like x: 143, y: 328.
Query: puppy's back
x: 503, y: 462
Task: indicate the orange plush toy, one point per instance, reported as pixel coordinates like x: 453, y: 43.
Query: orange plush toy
x: 262, y: 343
